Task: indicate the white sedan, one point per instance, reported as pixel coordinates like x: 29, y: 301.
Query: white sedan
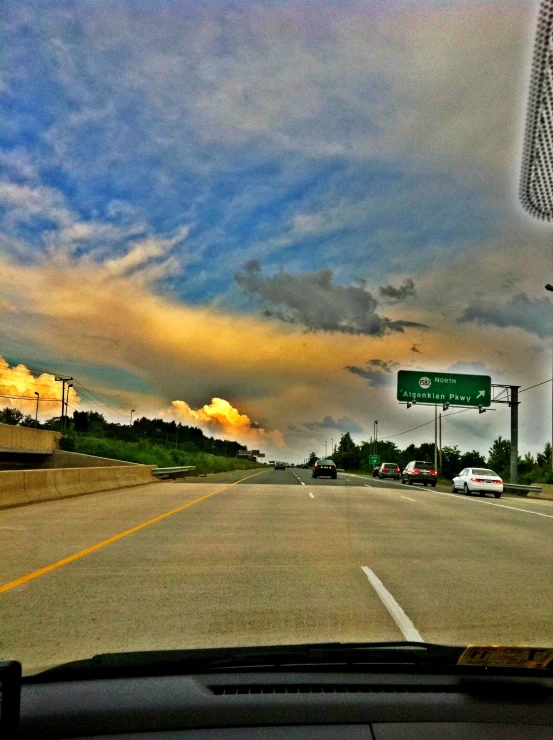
x: 478, y: 480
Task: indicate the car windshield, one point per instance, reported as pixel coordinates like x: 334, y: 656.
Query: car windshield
x: 249, y: 251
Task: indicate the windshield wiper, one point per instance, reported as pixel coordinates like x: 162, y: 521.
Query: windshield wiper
x: 317, y: 655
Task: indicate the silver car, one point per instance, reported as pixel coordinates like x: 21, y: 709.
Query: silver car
x: 389, y: 470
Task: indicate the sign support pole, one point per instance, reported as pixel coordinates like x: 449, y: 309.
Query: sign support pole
x: 513, y: 403
x: 440, y: 433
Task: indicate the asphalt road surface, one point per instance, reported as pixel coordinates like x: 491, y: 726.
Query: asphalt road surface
x: 271, y: 557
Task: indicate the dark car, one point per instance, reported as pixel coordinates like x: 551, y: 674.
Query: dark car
x: 325, y: 467
x: 420, y: 471
x: 375, y: 471
x: 280, y: 466
x: 389, y: 470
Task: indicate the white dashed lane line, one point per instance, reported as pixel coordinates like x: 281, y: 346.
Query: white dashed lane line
x: 409, y: 499
x: 311, y: 494
x: 396, y: 612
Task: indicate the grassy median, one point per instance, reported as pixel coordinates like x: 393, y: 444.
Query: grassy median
x: 147, y: 453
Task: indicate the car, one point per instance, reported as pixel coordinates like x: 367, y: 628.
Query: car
x: 478, y: 480
x: 325, y: 467
x: 389, y: 470
x: 420, y: 471
x: 375, y: 471
x: 280, y: 466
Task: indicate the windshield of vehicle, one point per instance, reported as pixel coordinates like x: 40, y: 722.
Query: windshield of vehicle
x: 240, y: 240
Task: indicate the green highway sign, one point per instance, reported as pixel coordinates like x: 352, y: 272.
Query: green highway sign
x: 374, y: 459
x: 439, y: 388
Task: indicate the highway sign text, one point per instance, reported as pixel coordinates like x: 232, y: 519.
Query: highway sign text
x: 439, y: 388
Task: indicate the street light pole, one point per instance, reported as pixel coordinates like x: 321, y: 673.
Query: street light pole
x: 550, y: 287
x: 326, y: 448
x: 132, y: 412
x: 376, y: 437
x: 37, y: 394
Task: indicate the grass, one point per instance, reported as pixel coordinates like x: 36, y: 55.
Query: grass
x: 146, y: 453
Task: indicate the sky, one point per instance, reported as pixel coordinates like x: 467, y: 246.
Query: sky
x: 248, y: 216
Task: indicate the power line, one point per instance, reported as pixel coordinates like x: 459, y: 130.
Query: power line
x: 535, y: 386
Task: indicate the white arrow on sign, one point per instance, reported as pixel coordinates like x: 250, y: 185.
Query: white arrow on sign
x: 481, y: 394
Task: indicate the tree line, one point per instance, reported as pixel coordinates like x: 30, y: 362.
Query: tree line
x: 155, y: 431
x: 351, y: 456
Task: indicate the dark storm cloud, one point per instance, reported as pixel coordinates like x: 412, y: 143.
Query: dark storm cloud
x: 377, y: 372
x: 533, y: 315
x: 345, y: 424
x: 398, y: 294
x: 312, y: 300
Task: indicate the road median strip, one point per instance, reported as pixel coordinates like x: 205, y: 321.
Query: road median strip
x: 115, y: 538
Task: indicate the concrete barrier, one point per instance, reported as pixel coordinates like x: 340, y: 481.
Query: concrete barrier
x: 19, y: 487
x: 89, y: 480
x: 21, y: 439
x: 68, y: 482
x: 12, y: 488
x: 40, y: 485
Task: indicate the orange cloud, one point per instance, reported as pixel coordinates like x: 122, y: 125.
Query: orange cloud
x: 18, y: 386
x: 222, y: 418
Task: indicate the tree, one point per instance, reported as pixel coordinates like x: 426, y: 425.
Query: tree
x: 500, y: 455
x: 27, y: 421
x: 346, y: 443
x: 9, y: 415
x: 472, y: 459
x: 544, y: 459
x: 312, y: 458
x: 451, y: 461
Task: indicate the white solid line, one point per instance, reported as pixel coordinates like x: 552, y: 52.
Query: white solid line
x: 311, y: 494
x: 366, y: 485
x: 409, y: 499
x: 491, y: 503
x: 398, y: 615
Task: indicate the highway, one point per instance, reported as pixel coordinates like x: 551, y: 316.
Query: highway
x: 271, y: 557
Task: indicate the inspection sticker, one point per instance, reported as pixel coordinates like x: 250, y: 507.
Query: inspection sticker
x: 504, y: 656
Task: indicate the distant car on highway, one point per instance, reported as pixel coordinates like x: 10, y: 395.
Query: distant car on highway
x: 478, y: 480
x: 375, y: 471
x: 325, y: 467
x: 280, y: 466
x: 389, y: 470
x: 420, y: 471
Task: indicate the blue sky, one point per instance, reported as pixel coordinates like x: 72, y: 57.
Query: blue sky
x: 153, y: 149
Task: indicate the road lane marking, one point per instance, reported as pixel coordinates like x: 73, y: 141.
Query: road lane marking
x: 115, y: 538
x: 409, y: 499
x: 303, y: 484
x: 491, y: 503
x: 396, y: 612
x: 366, y: 485
x: 311, y: 494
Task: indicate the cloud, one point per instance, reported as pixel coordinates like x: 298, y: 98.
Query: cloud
x: 405, y: 290
x: 345, y: 424
x: 17, y: 380
x: 220, y: 417
x: 377, y: 372
x: 531, y: 314
x: 312, y: 300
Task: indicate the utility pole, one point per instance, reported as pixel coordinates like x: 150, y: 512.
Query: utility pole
x: 132, y: 412
x: 550, y: 288
x: 435, y: 437
x: 376, y: 437
x: 63, y: 381
x: 37, y: 394
x: 440, y: 433
x: 331, y: 446
x: 326, y: 448
x: 67, y: 401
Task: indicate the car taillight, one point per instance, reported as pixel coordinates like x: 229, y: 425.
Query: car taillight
x: 416, y: 472
x: 480, y: 480
x: 433, y: 472
x: 398, y: 470
x: 316, y: 466
x: 384, y: 470
x: 497, y: 481
x: 334, y: 467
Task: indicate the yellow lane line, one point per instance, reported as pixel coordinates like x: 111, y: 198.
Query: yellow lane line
x: 115, y: 538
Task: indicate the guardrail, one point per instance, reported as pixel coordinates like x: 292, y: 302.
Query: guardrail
x: 178, y: 472
x: 520, y: 489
